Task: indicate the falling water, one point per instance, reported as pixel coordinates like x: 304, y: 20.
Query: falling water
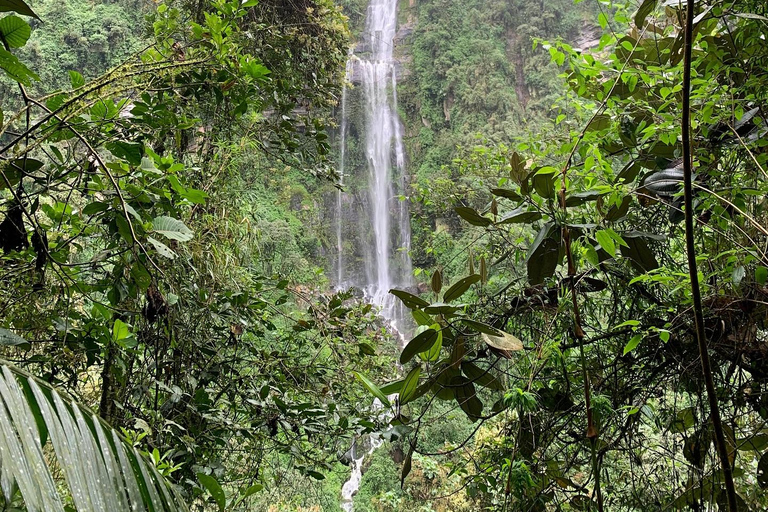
x: 342, y: 162
x: 384, y: 237
x: 383, y: 240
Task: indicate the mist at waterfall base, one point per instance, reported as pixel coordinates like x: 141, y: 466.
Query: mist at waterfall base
x: 383, y: 232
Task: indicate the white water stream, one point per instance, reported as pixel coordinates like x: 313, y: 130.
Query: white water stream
x: 384, y: 236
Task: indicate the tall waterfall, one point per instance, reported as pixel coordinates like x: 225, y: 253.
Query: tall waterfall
x: 370, y: 217
x: 377, y: 222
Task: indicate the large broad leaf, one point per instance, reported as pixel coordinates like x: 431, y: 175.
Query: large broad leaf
x: 214, y: 488
x: 466, y: 396
x: 172, y: 228
x: 10, y: 339
x: 410, y: 384
x: 460, y: 288
x: 421, y: 343
x: 638, y: 253
x: 14, y: 68
x: 409, y: 300
x: 17, y: 6
x: 373, y: 388
x: 645, y: 9
x: 48, y: 443
x: 471, y: 216
x: 15, y: 31
x: 543, y: 255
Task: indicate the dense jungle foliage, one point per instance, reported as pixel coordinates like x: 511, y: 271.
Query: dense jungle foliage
x: 587, y: 187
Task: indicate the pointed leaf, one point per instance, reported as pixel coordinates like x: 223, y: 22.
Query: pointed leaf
x: 172, y: 228
x: 17, y: 6
x: 472, y: 216
x: 410, y: 384
x: 461, y: 286
x: 214, y: 488
x: 409, y: 300
x: 373, y: 388
x: 15, y: 30
x: 421, y: 343
x: 10, y: 339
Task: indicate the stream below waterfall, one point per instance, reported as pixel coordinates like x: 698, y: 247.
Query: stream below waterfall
x: 381, y: 235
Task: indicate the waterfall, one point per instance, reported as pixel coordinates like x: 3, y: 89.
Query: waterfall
x: 342, y: 162
x: 382, y: 240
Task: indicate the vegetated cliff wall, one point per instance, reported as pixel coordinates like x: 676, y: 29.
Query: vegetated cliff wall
x: 470, y: 68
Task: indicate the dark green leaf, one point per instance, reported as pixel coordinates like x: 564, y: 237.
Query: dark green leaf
x: 409, y: 300
x: 15, y: 30
x: 437, y: 281
x: 599, y: 122
x: 582, y: 197
x: 519, y: 216
x: 214, y: 488
x: 94, y: 208
x: 17, y: 6
x: 472, y: 216
x: 639, y: 254
x: 406, y: 466
x: 128, y: 151
x: 484, y: 378
x: 460, y: 287
x: 467, y: 398
x: 645, y: 9
x: 373, y: 388
x: 410, y: 384
x: 10, y: 339
x: 544, y: 184
x: 421, y: 343
x: 506, y: 193
x: 543, y: 255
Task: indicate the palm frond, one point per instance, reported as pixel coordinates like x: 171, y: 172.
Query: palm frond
x: 101, y: 471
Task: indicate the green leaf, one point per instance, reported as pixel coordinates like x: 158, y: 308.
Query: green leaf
x: 14, y: 68
x: 471, y: 216
x: 410, y: 384
x: 633, y: 343
x: 460, y: 287
x: 17, y: 6
x: 409, y: 300
x: 484, y: 378
x: 467, y: 398
x: 95, y: 208
x: 645, y: 9
x: 639, y: 254
x: 120, y: 331
x: 76, y: 79
x: 172, y: 228
x: 519, y: 216
x: 15, y: 30
x: 422, y: 342
x: 161, y: 248
x: 543, y: 255
x: 373, y: 388
x: 10, y: 339
x: 506, y: 193
x: 433, y: 354
x: 437, y: 281
x: 214, y: 488
x: 606, y: 241
x: 761, y: 275
x: 407, y: 463
x: 421, y: 317
x: 131, y: 152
